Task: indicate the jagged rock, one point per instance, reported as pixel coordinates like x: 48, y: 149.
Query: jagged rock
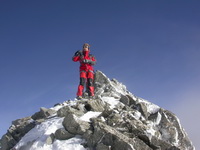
x: 43, y: 113
x: 128, y: 100
x: 62, y: 112
x: 143, y: 109
x: 109, y: 136
x: 62, y: 134
x: 101, y: 146
x: 114, y: 119
x: 100, y: 82
x: 74, y: 125
x: 136, y: 128
x: 7, y: 142
x: 107, y: 111
x: 125, y: 100
x: 50, y: 139
x: 172, y: 131
x: 82, y: 108
x: 20, y: 127
x: 96, y: 105
x: 127, y: 122
x: 106, y: 87
x: 17, y: 130
x: 156, y: 117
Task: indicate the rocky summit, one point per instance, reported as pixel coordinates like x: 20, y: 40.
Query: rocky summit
x: 114, y: 120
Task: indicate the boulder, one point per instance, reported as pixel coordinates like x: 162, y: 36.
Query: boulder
x: 74, y: 125
x: 7, y: 142
x: 125, y: 100
x: 96, y: 105
x: 112, y: 138
x: 62, y: 134
x: 50, y: 139
x: 141, y: 107
x: 16, y: 131
x: 43, y: 113
x: 64, y: 111
x: 101, y: 146
x: 106, y: 87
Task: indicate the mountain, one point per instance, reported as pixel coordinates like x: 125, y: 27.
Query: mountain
x: 115, y: 120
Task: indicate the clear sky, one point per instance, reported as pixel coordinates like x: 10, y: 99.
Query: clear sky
x: 152, y: 46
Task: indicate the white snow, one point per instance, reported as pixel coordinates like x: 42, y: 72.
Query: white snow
x: 150, y: 131
x: 137, y: 115
x: 111, y: 100
x: 69, y: 103
x: 165, y: 134
x: 88, y: 115
x: 36, y: 138
x: 158, y: 119
x: 103, y: 119
x: 71, y: 144
x: 151, y: 108
x: 119, y: 87
x: 132, y: 147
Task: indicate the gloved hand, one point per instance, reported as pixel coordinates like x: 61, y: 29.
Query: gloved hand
x: 85, y: 61
x: 78, y: 53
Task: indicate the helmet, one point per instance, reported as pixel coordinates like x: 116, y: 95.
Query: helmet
x: 86, y: 45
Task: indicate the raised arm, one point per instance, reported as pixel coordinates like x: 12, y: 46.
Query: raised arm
x: 76, y: 56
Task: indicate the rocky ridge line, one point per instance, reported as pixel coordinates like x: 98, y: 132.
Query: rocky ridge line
x: 122, y: 121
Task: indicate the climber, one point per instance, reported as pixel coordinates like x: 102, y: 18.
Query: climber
x: 86, y: 70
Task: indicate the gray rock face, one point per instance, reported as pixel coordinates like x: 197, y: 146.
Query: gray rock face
x: 106, y: 87
x: 135, y: 123
x: 43, y: 113
x: 62, y: 134
x: 50, y: 139
x: 97, y: 105
x: 68, y: 109
x: 111, y: 137
x: 75, y: 126
x: 126, y: 122
x: 16, y: 131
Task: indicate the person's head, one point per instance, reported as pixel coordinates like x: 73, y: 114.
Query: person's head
x: 86, y: 47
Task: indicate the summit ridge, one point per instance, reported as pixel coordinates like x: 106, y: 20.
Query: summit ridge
x: 115, y: 119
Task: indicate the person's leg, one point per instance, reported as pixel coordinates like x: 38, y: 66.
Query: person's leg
x: 82, y: 83
x: 90, y: 83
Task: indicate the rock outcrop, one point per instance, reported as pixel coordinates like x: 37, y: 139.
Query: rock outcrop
x: 114, y: 120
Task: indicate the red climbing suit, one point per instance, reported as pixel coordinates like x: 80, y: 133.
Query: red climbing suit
x: 86, y: 71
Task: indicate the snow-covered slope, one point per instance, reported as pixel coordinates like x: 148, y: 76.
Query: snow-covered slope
x: 37, y: 138
x: 115, y: 119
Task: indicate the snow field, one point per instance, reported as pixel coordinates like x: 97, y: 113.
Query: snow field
x: 36, y: 138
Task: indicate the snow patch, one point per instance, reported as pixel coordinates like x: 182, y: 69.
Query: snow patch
x: 165, y: 134
x: 88, y: 115
x: 111, y: 100
x: 71, y: 144
x: 36, y: 138
x: 150, y: 131
x: 158, y: 119
x: 137, y: 115
x: 66, y: 103
x: 119, y: 87
x: 39, y: 133
x: 151, y: 108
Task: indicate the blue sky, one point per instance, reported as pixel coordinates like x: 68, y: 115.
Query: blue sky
x: 153, y: 47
